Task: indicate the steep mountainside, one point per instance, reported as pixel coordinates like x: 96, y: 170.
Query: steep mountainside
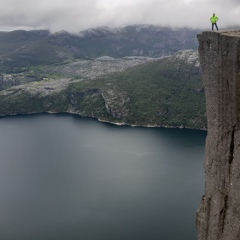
x: 11, y: 41
x: 162, y: 92
x: 21, y: 49
x: 219, y: 214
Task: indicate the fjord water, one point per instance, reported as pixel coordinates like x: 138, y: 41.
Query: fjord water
x: 66, y: 177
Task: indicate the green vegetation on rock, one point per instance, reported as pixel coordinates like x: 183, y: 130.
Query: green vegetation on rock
x: 166, y: 92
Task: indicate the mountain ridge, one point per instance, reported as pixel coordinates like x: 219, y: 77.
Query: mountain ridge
x: 20, y: 49
x: 135, y: 75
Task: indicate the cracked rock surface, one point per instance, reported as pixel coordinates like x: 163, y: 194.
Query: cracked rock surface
x: 218, y: 217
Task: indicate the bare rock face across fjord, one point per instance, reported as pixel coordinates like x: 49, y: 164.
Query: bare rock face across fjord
x: 218, y: 217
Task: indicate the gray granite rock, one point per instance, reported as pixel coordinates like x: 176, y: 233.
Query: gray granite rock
x: 218, y: 217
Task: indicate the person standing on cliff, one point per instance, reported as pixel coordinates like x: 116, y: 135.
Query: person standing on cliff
x: 214, y: 20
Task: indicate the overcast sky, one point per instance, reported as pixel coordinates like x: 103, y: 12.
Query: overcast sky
x: 76, y: 15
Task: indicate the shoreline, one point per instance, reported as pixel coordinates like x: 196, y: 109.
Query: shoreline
x: 103, y: 121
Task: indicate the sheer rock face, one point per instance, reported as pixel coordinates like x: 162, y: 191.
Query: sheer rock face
x: 218, y: 217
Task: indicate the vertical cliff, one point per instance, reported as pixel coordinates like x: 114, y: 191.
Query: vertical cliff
x: 218, y: 217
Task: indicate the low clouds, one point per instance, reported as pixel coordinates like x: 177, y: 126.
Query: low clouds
x: 76, y: 15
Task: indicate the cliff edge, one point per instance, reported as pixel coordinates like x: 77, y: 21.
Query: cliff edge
x: 218, y: 217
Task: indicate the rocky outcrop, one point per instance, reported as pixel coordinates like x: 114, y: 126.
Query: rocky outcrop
x: 90, y: 69
x: 7, y: 80
x: 218, y: 217
x: 115, y: 101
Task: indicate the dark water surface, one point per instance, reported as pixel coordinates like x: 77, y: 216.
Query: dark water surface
x: 64, y: 177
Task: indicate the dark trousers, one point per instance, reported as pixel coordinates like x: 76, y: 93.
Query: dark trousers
x: 215, y: 26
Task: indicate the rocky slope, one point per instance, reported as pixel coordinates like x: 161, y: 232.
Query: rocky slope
x: 135, y: 91
x: 218, y: 217
x: 78, y: 69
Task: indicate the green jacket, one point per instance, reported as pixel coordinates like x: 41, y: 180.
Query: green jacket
x: 214, y: 19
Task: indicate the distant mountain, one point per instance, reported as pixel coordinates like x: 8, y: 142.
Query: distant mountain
x: 134, y: 75
x: 12, y: 41
x: 21, y: 49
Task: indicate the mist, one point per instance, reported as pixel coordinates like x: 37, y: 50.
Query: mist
x: 77, y: 15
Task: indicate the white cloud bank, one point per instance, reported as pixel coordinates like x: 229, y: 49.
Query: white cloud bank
x: 76, y: 15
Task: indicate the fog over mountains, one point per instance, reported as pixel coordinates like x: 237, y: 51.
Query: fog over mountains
x: 76, y: 15
x: 24, y: 48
